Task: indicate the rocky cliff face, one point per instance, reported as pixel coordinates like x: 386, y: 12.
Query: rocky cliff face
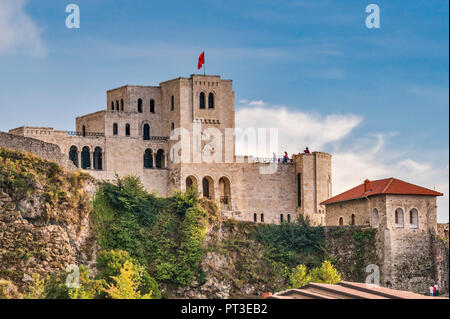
x: 44, y: 217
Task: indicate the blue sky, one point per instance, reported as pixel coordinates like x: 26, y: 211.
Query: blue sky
x: 315, y: 60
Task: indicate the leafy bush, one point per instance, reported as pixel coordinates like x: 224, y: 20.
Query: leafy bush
x: 110, y: 263
x: 88, y: 288
x: 293, y: 243
x: 36, y: 289
x: 325, y: 274
x: 126, y: 285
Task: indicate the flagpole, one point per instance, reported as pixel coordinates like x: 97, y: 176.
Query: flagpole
x: 204, y: 66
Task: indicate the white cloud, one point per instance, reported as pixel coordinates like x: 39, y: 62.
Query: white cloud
x: 296, y: 129
x: 368, y: 157
x: 18, y: 32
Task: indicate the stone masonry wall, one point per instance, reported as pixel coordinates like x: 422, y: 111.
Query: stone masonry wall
x: 41, y: 149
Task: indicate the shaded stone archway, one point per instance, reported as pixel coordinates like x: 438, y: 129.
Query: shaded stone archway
x: 208, y: 187
x: 225, y: 193
x: 191, y: 181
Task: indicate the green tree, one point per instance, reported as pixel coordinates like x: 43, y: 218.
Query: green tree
x: 126, y: 285
x: 325, y: 274
x: 110, y: 263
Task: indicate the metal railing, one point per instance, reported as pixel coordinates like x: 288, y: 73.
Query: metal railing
x: 272, y: 160
x: 157, y: 138
x: 224, y: 200
x: 85, y: 134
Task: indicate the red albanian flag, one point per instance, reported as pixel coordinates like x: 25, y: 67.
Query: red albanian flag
x: 201, y: 60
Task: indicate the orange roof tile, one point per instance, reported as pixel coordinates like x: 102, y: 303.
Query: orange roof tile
x: 382, y: 186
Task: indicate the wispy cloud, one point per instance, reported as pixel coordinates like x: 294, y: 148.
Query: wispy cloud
x: 19, y: 34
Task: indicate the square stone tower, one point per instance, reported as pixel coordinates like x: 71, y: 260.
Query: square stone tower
x: 313, y: 174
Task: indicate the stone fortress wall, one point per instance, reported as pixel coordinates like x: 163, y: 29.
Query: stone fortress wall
x: 48, y: 151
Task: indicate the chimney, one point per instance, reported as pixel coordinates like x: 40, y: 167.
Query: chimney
x: 367, y: 186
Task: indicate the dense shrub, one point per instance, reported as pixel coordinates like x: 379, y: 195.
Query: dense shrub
x: 293, y: 243
x: 163, y: 234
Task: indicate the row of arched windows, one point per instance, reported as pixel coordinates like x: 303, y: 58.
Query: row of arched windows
x: 116, y: 129
x: 151, y: 106
x: 413, y: 218
x: 210, y: 100
x: 208, y: 190
x: 85, y: 161
x: 352, y: 220
x: 145, y: 130
x: 159, y: 159
x: 117, y: 105
x: 261, y: 216
x: 398, y: 218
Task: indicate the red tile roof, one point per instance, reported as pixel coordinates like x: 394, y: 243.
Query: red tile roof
x: 382, y: 186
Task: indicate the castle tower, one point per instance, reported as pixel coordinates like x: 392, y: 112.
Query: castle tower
x: 313, y: 174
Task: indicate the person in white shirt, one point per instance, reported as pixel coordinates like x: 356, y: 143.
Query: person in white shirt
x: 436, y: 292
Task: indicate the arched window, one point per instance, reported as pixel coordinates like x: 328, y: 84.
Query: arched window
x: 202, y: 100
x: 375, y: 218
x: 127, y: 129
x: 112, y: 105
x: 399, y: 218
x: 160, y: 159
x: 73, y: 155
x: 208, y: 187
x: 121, y: 104
x: 210, y: 101
x: 225, y: 192
x: 148, y: 158
x: 281, y: 218
x: 98, y: 159
x: 140, y: 105
x: 86, y: 158
x: 341, y: 221
x: 191, y: 181
x: 262, y: 218
x: 84, y: 130
x: 288, y: 218
x: 255, y: 217
x: 353, y: 220
x: 152, y: 106
x: 413, y: 218
x: 172, y: 105
x: 146, y: 132
x: 115, y: 129
x: 117, y: 105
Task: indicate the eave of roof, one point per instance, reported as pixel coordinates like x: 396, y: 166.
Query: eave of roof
x: 386, y: 186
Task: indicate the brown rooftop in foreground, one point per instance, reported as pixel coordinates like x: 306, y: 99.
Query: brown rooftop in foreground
x: 346, y: 290
x: 381, y: 186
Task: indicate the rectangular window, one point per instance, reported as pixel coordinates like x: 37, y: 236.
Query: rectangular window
x: 299, y: 190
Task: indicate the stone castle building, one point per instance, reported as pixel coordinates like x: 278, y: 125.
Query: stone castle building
x: 177, y: 135
x: 405, y: 216
x: 136, y: 134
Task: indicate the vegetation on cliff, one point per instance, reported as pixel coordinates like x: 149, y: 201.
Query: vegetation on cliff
x: 164, y: 234
x: 153, y: 247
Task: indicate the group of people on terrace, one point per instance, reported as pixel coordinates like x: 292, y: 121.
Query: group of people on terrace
x: 285, y: 158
